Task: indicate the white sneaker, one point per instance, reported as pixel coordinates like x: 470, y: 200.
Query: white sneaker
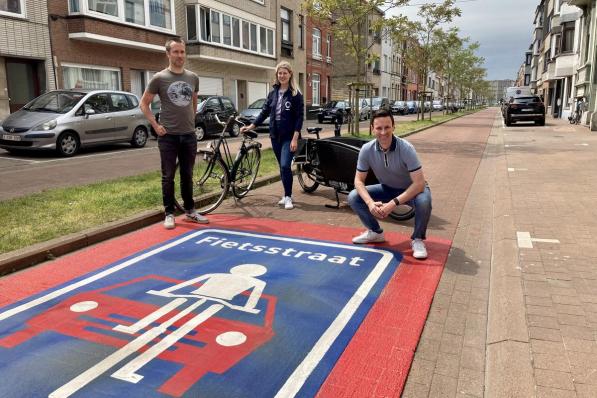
x: 288, y: 203
x: 282, y: 201
x: 419, y: 250
x: 369, y: 237
x: 196, y: 217
x: 169, y: 222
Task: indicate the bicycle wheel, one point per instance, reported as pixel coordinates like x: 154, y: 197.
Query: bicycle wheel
x: 305, y: 178
x: 403, y: 212
x: 246, y: 171
x: 210, y: 176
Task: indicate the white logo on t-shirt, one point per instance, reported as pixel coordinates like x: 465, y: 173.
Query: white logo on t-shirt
x: 180, y: 93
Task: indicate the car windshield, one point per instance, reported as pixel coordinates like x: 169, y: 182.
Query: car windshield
x: 376, y: 101
x: 55, y: 101
x: 335, y: 104
x: 257, y: 104
x: 437, y: 102
x: 526, y: 100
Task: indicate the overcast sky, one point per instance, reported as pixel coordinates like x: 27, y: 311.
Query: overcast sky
x: 502, y: 27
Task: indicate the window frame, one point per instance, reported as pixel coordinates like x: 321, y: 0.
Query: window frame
x: 316, y: 43
x: 21, y: 14
x: 289, y: 23
x: 313, y: 81
x: 97, y: 67
x: 85, y: 10
x: 568, y: 28
x: 206, y: 32
x: 328, y: 41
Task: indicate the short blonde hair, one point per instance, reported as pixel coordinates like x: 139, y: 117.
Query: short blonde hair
x: 294, y: 89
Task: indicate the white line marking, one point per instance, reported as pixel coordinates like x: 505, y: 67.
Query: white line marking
x: 93, y: 155
x: 128, y: 371
x: 512, y: 145
x: 17, y: 159
x: 101, y: 367
x: 149, y: 319
x: 524, y: 240
x: 583, y: 144
x: 511, y: 169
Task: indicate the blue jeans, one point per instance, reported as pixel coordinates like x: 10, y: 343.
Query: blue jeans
x: 284, y: 156
x: 183, y: 147
x: 384, y: 193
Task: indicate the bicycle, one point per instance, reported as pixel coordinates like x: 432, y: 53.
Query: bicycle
x: 216, y: 170
x: 575, y: 117
x: 332, y: 162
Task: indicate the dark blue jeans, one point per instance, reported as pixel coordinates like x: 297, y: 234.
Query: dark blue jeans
x: 284, y: 156
x: 183, y: 147
x: 384, y: 193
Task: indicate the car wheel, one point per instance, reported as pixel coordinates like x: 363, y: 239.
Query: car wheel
x: 540, y: 122
x: 235, y: 130
x: 139, y: 137
x: 508, y: 121
x: 199, y: 132
x: 320, y: 120
x: 68, y: 144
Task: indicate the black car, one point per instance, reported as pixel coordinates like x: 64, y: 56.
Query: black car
x: 334, y: 110
x: 399, y: 108
x: 522, y: 109
x: 248, y: 115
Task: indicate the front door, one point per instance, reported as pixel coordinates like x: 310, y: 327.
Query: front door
x: 26, y: 80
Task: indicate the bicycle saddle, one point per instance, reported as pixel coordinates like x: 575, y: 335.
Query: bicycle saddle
x: 250, y: 134
x: 313, y: 130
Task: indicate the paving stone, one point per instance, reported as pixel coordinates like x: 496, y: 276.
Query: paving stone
x: 547, y: 347
x: 421, y: 371
x: 443, y: 386
x: 451, y: 344
x: 471, y: 382
x: 580, y: 345
x: 569, y: 309
x: 555, y: 379
x: 585, y: 390
x: 548, y: 392
x: 448, y: 364
x: 551, y: 361
x: 472, y: 358
x: 509, y: 370
x: 415, y: 390
x: 543, y: 321
x: 539, y: 333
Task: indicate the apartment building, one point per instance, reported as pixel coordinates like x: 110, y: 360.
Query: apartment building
x: 497, y: 90
x: 26, y: 67
x: 110, y: 44
x: 345, y: 66
x: 586, y: 68
x: 234, y: 48
x: 319, y: 65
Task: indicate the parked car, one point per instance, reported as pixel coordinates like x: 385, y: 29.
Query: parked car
x: 427, y: 106
x: 249, y: 115
x: 380, y: 103
x: 66, y: 120
x: 529, y: 108
x: 412, y: 106
x: 437, y: 105
x: 399, y: 108
x: 333, y: 110
x: 205, y: 120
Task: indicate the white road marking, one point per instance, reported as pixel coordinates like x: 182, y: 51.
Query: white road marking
x: 526, y: 242
x: 511, y: 169
x: 93, y: 155
x: 9, y: 157
x: 583, y: 144
x: 154, y: 316
x: 512, y: 145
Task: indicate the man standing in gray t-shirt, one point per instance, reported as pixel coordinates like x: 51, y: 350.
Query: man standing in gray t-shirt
x: 177, y: 88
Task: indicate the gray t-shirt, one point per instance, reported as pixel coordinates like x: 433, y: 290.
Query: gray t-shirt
x: 176, y: 95
x: 392, y: 167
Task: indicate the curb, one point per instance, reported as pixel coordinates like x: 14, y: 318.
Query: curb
x: 23, y: 258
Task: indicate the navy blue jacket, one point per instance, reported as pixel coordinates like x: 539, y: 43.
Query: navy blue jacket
x: 291, y: 116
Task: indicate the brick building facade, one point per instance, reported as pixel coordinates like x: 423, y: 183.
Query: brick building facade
x: 319, y: 66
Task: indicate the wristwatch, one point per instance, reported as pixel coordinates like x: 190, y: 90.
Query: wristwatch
x: 396, y: 201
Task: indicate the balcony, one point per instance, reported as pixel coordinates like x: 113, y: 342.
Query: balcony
x: 564, y: 64
x: 584, y: 75
x: 376, y: 71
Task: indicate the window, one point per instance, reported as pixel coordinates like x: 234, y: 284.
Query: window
x: 91, y: 77
x: 159, y: 13
x: 328, y: 44
x: 73, y: 5
x: 246, y: 36
x: 528, y: 59
x: 119, y: 103
x: 227, y: 30
x: 148, y: 13
x: 301, y: 30
x: 228, y: 105
x: 108, y: 7
x: 568, y: 37
x: 285, y: 22
x: 215, y: 27
x: 316, y: 43
x: 11, y: 7
x: 270, y: 42
x: 235, y: 32
x: 385, y: 63
x: 315, y: 86
x: 99, y: 103
x: 253, y: 37
x: 262, y: 40
x: 134, y: 11
x: 191, y: 23
x: 205, y: 25
x: 527, y: 79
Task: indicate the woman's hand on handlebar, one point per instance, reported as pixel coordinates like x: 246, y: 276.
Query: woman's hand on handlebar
x: 247, y: 128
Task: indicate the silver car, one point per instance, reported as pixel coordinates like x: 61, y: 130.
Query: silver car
x: 66, y: 120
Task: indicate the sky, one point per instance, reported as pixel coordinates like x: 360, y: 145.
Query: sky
x: 502, y: 27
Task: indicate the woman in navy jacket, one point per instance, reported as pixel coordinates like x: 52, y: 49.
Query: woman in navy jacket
x: 284, y: 106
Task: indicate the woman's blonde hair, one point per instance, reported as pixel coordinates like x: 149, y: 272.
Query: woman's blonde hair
x: 291, y: 82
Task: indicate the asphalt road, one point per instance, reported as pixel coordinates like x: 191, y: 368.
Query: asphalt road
x: 32, y: 172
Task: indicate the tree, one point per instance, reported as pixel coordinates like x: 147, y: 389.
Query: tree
x: 420, y: 36
x: 350, y: 24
